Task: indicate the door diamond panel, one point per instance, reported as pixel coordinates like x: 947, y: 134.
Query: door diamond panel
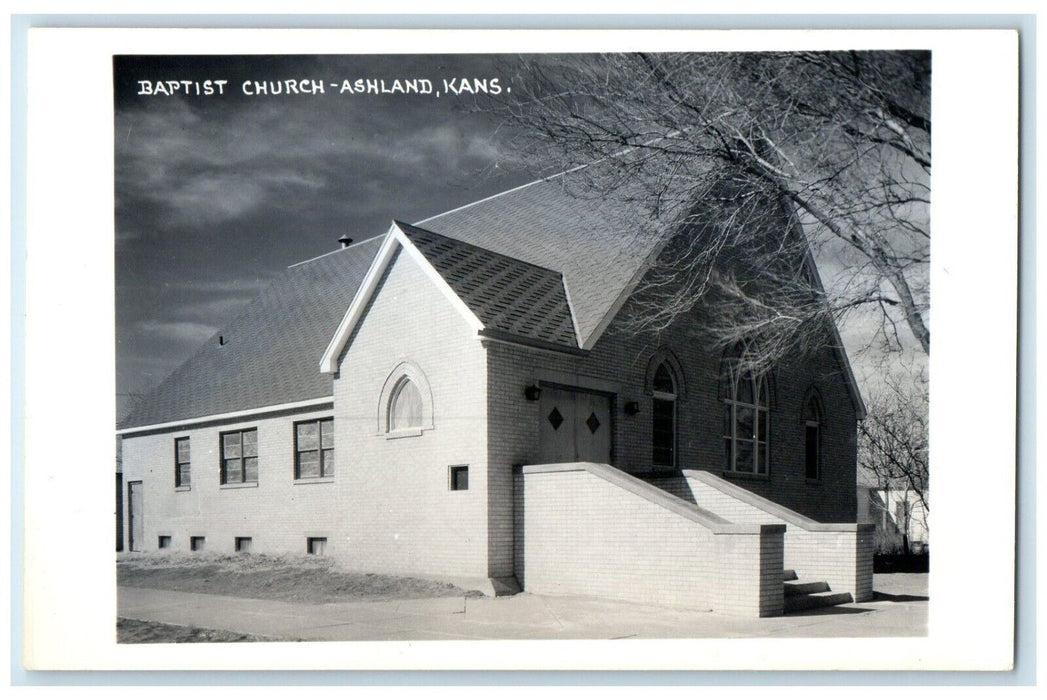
x: 555, y: 418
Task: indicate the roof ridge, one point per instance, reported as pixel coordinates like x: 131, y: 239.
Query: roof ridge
x: 547, y: 178
x: 332, y: 252
x: 480, y: 247
x: 540, y: 180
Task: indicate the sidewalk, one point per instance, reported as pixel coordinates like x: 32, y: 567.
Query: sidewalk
x: 523, y: 616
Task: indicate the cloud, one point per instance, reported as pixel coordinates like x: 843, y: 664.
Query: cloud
x: 200, y: 167
x: 201, y: 171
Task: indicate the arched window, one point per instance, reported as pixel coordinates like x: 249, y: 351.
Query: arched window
x: 663, y: 418
x: 813, y: 416
x: 405, y: 407
x: 746, y: 416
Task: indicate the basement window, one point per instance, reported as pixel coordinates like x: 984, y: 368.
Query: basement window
x: 163, y: 542
x: 196, y: 543
x: 243, y: 544
x: 316, y: 545
x: 459, y: 477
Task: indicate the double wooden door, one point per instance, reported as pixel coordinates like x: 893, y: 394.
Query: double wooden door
x: 574, y: 426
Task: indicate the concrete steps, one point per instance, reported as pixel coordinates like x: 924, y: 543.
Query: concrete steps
x: 810, y: 595
x: 795, y: 589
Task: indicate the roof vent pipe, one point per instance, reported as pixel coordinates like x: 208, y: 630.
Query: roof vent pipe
x: 345, y: 241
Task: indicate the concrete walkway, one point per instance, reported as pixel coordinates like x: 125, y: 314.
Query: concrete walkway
x: 898, y: 613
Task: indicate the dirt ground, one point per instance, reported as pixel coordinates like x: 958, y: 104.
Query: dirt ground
x: 302, y: 579
x: 142, y: 632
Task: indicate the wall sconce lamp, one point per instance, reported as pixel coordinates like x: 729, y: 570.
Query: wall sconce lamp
x: 631, y: 408
x: 533, y: 392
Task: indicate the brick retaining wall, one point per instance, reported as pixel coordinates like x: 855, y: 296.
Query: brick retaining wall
x: 590, y: 529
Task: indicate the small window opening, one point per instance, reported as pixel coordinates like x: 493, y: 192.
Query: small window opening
x: 196, y: 543
x: 164, y: 542
x: 316, y: 545
x: 243, y: 544
x: 460, y: 478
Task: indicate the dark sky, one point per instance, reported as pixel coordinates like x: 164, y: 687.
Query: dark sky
x: 216, y: 194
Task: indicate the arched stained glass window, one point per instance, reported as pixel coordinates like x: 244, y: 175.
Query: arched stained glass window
x: 663, y: 418
x: 813, y: 417
x: 746, y: 416
x: 405, y: 407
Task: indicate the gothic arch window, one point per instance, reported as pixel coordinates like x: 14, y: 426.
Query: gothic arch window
x: 406, y: 404
x: 665, y: 384
x: 663, y: 418
x: 746, y: 425
x: 813, y: 418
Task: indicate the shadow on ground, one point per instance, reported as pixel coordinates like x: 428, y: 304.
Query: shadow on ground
x: 898, y: 598
x: 815, y: 612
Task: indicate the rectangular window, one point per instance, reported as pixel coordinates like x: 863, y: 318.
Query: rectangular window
x: 196, y: 543
x: 314, y: 449
x: 316, y: 545
x: 163, y: 542
x: 240, y: 457
x: 243, y: 544
x: 182, y: 470
x: 460, y: 478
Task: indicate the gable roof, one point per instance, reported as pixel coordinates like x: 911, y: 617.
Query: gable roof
x: 269, y: 353
x: 600, y: 249
x: 537, y: 263
x: 508, y: 295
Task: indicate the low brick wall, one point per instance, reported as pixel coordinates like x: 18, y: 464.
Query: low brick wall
x: 843, y: 558
x: 589, y: 529
x: 837, y: 553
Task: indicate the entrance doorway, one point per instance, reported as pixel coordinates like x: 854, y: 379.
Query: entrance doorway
x: 574, y: 426
x: 134, y: 516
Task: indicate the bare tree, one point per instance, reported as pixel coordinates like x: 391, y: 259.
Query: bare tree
x: 761, y: 158
x: 892, y: 447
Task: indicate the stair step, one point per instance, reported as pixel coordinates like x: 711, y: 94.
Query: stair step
x: 789, y: 575
x: 816, y: 600
x: 805, y: 587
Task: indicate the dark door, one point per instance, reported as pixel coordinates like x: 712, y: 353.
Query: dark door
x: 134, y: 516
x: 574, y: 426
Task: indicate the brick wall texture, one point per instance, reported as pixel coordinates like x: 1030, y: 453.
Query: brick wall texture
x: 841, y: 556
x: 578, y: 534
x: 389, y: 507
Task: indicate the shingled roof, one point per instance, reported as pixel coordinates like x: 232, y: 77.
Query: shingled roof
x: 537, y: 263
x: 508, y: 295
x: 270, y: 351
x: 599, y: 246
